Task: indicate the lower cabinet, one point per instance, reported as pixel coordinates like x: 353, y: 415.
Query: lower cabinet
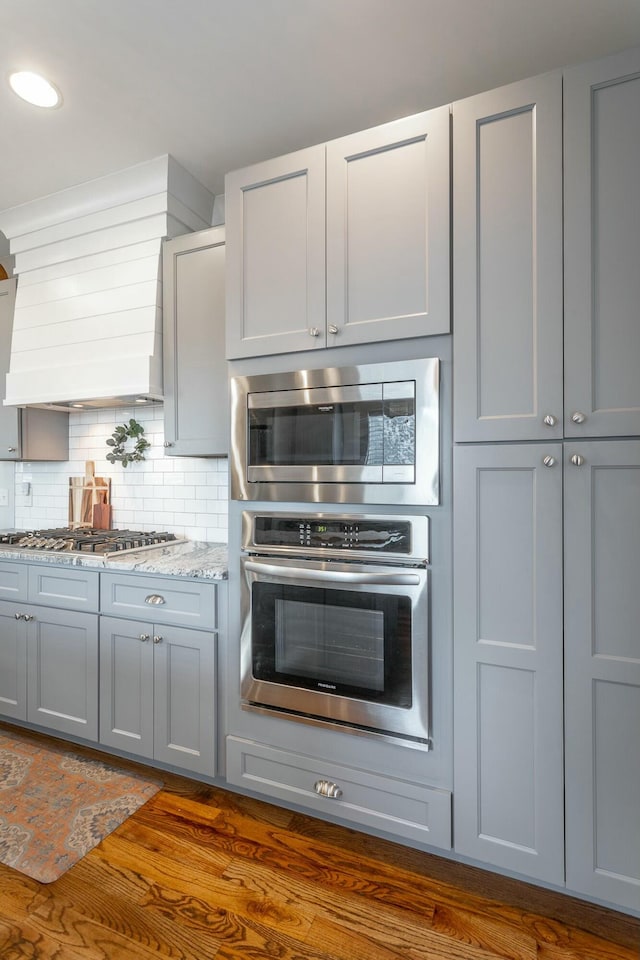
x: 405, y: 809
x: 508, y: 758
x: 602, y: 669
x: 546, y: 591
x: 49, y: 647
x: 158, y: 692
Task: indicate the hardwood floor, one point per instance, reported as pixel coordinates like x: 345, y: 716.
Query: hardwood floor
x: 199, y: 873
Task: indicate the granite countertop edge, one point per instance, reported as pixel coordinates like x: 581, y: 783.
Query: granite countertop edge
x: 191, y: 558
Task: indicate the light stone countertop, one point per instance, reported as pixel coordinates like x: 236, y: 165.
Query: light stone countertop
x: 191, y: 558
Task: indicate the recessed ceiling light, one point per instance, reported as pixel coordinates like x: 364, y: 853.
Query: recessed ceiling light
x: 35, y: 89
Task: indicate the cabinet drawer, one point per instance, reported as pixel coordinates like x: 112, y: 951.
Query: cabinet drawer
x: 63, y: 587
x: 13, y: 581
x: 399, y: 807
x: 181, y: 602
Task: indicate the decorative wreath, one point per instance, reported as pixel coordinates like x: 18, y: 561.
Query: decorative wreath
x: 117, y: 441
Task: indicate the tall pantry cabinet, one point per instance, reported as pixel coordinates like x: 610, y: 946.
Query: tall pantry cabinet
x: 552, y: 523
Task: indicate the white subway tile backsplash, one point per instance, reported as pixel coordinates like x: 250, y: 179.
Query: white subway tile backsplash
x: 184, y: 495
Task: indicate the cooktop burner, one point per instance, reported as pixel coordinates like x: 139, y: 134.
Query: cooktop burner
x: 84, y: 539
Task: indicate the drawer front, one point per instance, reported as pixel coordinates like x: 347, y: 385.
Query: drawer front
x: 62, y: 587
x: 13, y: 580
x: 407, y: 810
x: 180, y: 602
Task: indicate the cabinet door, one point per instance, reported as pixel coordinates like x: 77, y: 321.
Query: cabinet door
x: 126, y: 685
x: 185, y: 698
x: 602, y: 237
x: 507, y: 262
x: 30, y: 434
x: 276, y: 255
x: 13, y: 663
x: 62, y: 671
x: 508, y: 763
x: 9, y: 416
x: 195, y: 372
x: 388, y: 255
x: 602, y: 670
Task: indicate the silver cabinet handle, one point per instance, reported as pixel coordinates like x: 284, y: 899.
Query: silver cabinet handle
x: 154, y: 599
x: 578, y: 417
x: 335, y: 576
x: 168, y: 443
x: 325, y: 788
x: 314, y: 332
x: 144, y: 637
x: 549, y: 461
x: 156, y: 638
x: 549, y: 420
x: 332, y: 329
x: 577, y: 459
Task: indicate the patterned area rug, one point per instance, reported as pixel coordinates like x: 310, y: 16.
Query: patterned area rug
x: 56, y: 805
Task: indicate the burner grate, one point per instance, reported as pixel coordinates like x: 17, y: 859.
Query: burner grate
x: 85, y: 540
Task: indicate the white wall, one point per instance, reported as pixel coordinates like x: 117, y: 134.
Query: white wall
x: 186, y: 496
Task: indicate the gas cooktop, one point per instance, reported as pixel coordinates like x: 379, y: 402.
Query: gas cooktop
x: 85, y: 540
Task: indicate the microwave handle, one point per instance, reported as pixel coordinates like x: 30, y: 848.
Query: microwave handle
x: 328, y: 576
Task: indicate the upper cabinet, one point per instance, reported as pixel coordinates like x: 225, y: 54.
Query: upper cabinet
x: 507, y: 262
x: 195, y: 372
x: 343, y: 243
x: 26, y: 433
x: 602, y: 238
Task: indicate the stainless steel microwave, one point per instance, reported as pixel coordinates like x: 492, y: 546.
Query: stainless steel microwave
x: 363, y: 434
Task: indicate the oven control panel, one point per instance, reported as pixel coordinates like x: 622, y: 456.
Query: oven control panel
x: 325, y: 533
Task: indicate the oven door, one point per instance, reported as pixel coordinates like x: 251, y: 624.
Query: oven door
x: 337, y: 643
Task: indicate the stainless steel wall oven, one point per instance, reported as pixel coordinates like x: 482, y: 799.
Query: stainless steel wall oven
x: 362, y: 434
x: 335, y: 621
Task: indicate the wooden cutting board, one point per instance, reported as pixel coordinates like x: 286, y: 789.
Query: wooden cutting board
x: 86, y: 493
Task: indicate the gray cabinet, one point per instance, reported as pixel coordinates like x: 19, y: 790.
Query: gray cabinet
x: 195, y: 371
x: 158, y: 674
x: 602, y: 669
x: 158, y: 692
x: 602, y: 237
x: 13, y: 662
x: 49, y: 647
x: 383, y: 219
x: 26, y: 434
x: 508, y: 758
x: 399, y: 806
x: 62, y: 670
x: 507, y: 262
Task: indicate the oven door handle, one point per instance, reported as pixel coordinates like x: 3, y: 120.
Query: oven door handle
x: 342, y: 576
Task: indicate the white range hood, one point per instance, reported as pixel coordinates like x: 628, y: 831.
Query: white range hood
x: 88, y: 317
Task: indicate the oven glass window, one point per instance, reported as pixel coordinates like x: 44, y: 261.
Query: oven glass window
x: 335, y: 641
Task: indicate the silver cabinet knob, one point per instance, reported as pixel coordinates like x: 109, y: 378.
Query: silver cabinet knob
x: 144, y: 637
x: 333, y: 329
x: 314, y: 332
x: 11, y: 449
x: 168, y: 443
x: 157, y: 639
x: 549, y: 461
x: 325, y: 788
x: 577, y: 459
x: 549, y: 420
x: 28, y: 616
x: 578, y: 417
x: 154, y: 599
x: 18, y: 616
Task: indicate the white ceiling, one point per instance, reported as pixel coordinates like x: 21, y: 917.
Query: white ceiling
x: 220, y: 84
